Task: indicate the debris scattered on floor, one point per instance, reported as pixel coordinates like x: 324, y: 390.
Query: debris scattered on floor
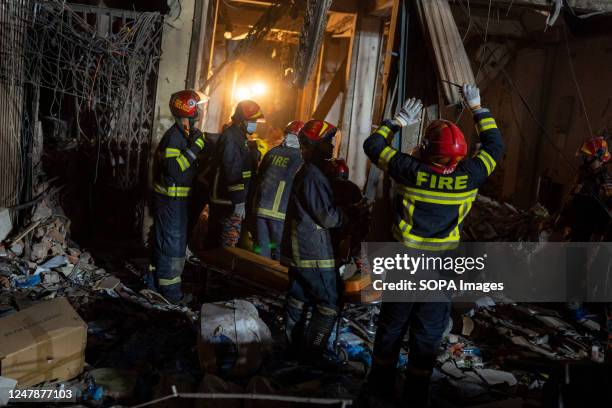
x: 491, y: 220
x: 137, y: 348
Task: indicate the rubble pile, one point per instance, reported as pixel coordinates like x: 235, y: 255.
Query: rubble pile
x: 490, y: 220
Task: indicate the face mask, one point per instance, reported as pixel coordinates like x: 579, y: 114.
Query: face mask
x: 251, y: 127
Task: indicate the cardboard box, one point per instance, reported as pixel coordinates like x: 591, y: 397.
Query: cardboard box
x: 42, y: 343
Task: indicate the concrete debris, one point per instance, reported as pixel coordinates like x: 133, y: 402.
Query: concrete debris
x: 17, y: 248
x: 6, y: 223
x: 117, y: 384
x: 6, y: 384
x: 42, y: 211
x: 490, y: 220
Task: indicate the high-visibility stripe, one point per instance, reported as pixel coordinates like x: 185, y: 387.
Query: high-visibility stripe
x: 278, y: 196
x: 173, y: 191
x: 424, y: 245
x: 183, y: 162
x: 385, y: 157
x: 246, y: 174
x: 264, y: 212
x: 305, y: 263
x: 200, y: 142
x: 384, y: 131
x: 436, y: 197
x: 274, y: 212
x: 488, y: 161
x: 235, y: 187
x: 486, y: 124
x: 168, y: 282
x: 215, y: 194
x: 191, y: 154
x: 170, y: 153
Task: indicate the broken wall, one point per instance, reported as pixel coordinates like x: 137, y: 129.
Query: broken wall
x: 533, y: 168
x: 566, y: 121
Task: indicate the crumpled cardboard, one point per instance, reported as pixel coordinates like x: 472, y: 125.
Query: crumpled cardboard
x: 42, y: 343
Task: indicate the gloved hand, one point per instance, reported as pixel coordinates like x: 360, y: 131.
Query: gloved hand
x: 239, y: 210
x: 409, y: 113
x: 471, y: 94
x: 197, y: 137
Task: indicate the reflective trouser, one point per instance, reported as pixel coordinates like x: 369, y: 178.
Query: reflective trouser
x: 268, y: 237
x: 223, y: 228
x: 316, y: 289
x: 426, y: 323
x: 170, y: 216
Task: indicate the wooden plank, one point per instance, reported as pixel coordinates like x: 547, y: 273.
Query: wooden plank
x: 367, y: 45
x: 334, y: 89
x: 389, y: 53
x: 381, y: 8
x: 450, y: 57
x: 197, y: 48
x: 585, y: 5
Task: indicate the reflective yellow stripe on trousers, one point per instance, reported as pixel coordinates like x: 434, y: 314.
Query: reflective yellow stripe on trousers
x: 274, y: 213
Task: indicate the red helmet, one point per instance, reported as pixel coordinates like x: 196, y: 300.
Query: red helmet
x: 443, y: 146
x: 187, y: 103
x: 595, y: 147
x: 317, y: 131
x: 247, y: 110
x: 294, y: 127
x: 337, y: 168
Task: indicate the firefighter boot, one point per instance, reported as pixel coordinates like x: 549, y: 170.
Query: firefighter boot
x: 416, y: 387
x: 317, y: 336
x: 295, y: 325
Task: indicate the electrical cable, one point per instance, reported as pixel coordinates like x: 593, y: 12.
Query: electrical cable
x: 569, y: 162
x: 578, y: 90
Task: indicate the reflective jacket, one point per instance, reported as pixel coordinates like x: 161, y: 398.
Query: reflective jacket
x: 232, y: 168
x: 173, y: 167
x: 274, y: 181
x: 310, y: 216
x: 430, y: 207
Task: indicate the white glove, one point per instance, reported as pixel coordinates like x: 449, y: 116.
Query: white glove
x: 240, y: 210
x: 472, y: 96
x: 409, y: 113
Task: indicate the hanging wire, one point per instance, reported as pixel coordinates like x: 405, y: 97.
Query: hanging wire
x: 578, y: 90
x: 508, y: 78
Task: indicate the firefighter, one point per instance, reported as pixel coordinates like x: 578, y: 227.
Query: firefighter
x: 435, y: 193
x: 233, y: 166
x: 348, y: 195
x: 174, y: 164
x: 590, y: 206
x: 307, y: 247
x: 272, y: 189
x: 586, y: 216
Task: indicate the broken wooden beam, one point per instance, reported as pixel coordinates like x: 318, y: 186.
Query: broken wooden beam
x: 450, y: 57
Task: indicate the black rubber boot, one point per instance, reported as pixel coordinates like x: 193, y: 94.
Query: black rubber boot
x: 316, y: 338
x: 295, y: 326
x: 416, y: 388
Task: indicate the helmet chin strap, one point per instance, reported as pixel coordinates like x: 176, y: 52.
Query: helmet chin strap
x: 185, y: 124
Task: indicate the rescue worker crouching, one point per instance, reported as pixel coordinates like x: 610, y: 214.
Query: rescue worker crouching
x: 272, y: 189
x: 435, y: 194
x: 307, y: 247
x: 233, y: 166
x: 173, y: 178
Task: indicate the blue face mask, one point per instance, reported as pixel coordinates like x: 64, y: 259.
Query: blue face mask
x: 251, y: 127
